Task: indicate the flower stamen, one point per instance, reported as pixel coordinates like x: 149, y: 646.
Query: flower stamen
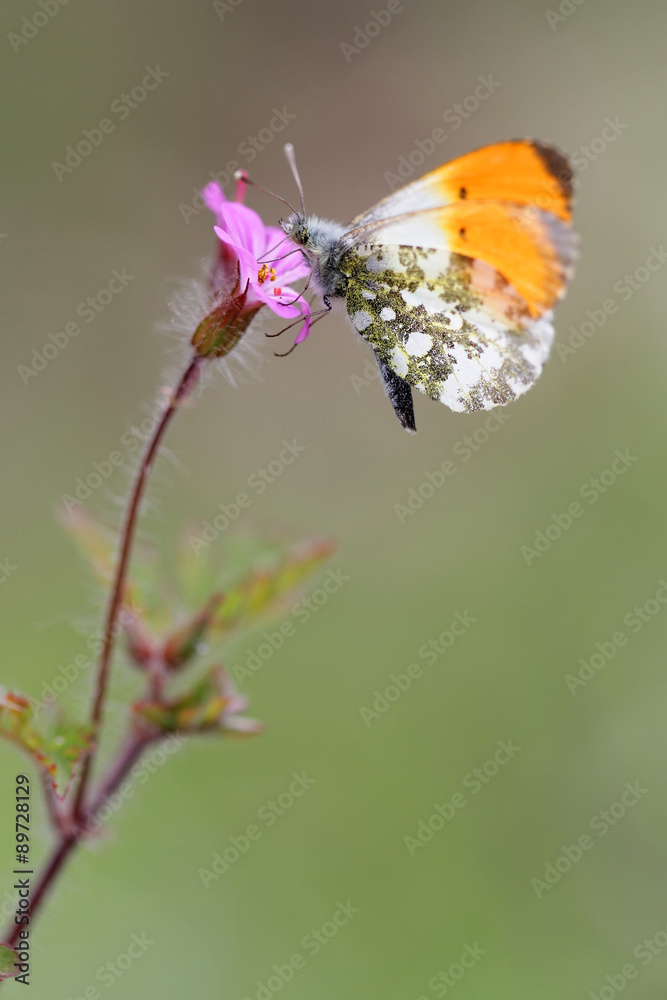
x: 266, y: 272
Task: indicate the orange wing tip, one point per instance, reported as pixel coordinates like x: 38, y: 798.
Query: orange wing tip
x: 521, y: 171
x: 558, y: 166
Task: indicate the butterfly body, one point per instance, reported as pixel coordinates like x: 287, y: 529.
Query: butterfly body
x: 320, y: 243
x: 452, y: 279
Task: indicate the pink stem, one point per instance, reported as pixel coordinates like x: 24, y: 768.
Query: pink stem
x: 127, y: 538
x: 80, y: 815
x: 134, y: 746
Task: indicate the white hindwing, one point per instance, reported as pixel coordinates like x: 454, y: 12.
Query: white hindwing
x: 423, y: 313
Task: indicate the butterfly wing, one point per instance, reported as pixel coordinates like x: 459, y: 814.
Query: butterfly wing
x: 400, y: 394
x: 419, y: 311
x: 455, y: 295
x: 521, y: 171
x: 532, y: 250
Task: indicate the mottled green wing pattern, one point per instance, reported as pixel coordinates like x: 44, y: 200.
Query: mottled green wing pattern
x: 426, y: 317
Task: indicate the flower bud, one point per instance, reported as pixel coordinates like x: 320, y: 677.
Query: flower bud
x: 140, y: 645
x: 224, y: 326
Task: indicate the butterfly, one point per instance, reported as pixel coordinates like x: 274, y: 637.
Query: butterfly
x: 452, y: 279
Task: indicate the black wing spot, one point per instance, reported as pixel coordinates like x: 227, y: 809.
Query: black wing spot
x: 463, y: 192
x: 462, y: 232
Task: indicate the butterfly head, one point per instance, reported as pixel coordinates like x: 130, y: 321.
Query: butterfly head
x: 319, y: 241
x: 315, y: 236
x: 296, y: 227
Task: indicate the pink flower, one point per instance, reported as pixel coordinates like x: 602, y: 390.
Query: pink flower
x: 251, y: 249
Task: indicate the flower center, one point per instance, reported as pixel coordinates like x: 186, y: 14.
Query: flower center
x: 266, y: 272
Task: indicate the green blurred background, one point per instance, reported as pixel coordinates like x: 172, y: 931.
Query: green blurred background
x: 558, y: 77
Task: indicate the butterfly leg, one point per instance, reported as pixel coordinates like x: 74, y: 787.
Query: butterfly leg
x: 400, y: 395
x: 318, y: 316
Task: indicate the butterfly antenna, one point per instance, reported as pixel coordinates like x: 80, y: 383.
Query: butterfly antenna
x: 289, y: 153
x: 241, y: 175
x: 271, y: 249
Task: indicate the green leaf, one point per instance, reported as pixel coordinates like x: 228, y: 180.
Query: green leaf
x: 212, y: 704
x: 56, y: 751
x: 265, y: 591
x: 182, y: 644
x: 8, y: 958
x: 258, y: 581
x: 98, y: 545
x: 95, y: 542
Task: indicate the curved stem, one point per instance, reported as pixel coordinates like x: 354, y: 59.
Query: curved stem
x: 127, y: 538
x: 71, y: 833
x: 133, y: 748
x: 55, y: 863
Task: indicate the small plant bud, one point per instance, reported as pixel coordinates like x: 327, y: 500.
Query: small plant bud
x: 182, y: 645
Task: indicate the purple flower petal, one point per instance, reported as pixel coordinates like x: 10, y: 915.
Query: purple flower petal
x: 214, y: 198
x: 267, y: 269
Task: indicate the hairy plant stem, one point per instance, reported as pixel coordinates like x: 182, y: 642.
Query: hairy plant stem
x: 132, y: 749
x: 127, y: 538
x: 72, y: 825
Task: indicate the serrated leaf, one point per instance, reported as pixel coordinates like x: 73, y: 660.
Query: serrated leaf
x: 211, y: 704
x: 95, y: 542
x: 98, y: 545
x: 203, y: 569
x: 8, y: 960
x: 55, y: 751
x: 265, y: 590
x: 262, y: 579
